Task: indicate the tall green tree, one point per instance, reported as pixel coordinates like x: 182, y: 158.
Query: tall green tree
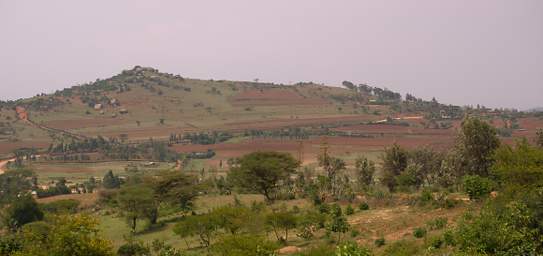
x: 137, y: 202
x: 175, y: 188
x: 539, y: 138
x: 263, y: 172
x: 394, y: 163
x: 332, y: 166
x: 15, y: 182
x: 337, y: 222
x: 365, y: 169
x: 477, y: 142
x: 111, y: 181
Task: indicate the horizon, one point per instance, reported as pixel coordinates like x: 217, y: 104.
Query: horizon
x: 492, y: 46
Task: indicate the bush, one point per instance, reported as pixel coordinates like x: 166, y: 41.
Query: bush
x: 61, y: 206
x: 437, y: 223
x: 133, y: 249
x: 240, y: 245
x: 402, y: 248
x: 380, y: 242
x: 436, y: 242
x: 476, y: 186
x: 352, y: 249
x: 349, y: 210
x: 426, y: 196
x: 363, y: 206
x: 448, y: 238
x: 319, y: 250
x: 355, y: 233
x: 419, y: 232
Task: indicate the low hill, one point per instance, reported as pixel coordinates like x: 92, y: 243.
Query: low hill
x: 142, y: 102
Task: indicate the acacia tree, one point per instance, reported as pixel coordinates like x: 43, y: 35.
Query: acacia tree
x: 137, y: 202
x: 204, y: 226
x: 281, y: 220
x: 175, y: 188
x: 263, y: 172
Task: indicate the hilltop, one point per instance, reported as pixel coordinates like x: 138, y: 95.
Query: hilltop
x: 142, y: 102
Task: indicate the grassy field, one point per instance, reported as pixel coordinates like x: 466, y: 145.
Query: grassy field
x: 395, y: 221
x: 79, y: 172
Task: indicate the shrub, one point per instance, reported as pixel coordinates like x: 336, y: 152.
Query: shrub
x: 133, y: 248
x: 61, y: 206
x: 355, y: 233
x: 426, y: 196
x: 419, y: 232
x: 476, y: 186
x: 349, y: 210
x: 380, y: 242
x: 437, y: 223
x: 352, y: 249
x: 448, y: 238
x: 363, y: 206
x: 319, y: 250
x: 402, y: 248
x: 436, y: 242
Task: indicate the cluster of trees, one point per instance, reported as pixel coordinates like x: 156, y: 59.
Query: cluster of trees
x: 509, y: 224
x: 201, y: 138
x: 383, y: 95
x: 73, y: 149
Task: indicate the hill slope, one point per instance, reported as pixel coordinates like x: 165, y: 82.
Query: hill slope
x: 143, y: 102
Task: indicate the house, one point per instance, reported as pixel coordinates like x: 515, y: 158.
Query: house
x: 123, y: 111
x: 97, y: 106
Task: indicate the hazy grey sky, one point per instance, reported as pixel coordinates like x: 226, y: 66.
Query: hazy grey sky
x: 460, y: 51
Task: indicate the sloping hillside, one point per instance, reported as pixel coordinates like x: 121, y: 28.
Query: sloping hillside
x: 142, y: 102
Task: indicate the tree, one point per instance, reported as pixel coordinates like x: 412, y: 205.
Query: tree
x: 15, y: 182
x: 539, y: 138
x: 111, y: 181
x: 175, y: 188
x: 476, y: 186
x: 75, y: 235
x: 519, y: 165
x: 332, y: 166
x: 476, y: 143
x: 394, y: 163
x: 337, y: 223
x: 21, y: 211
x: 232, y: 218
x: 365, y: 169
x: 263, y: 172
x: 204, y: 226
x: 137, y: 202
x: 281, y: 220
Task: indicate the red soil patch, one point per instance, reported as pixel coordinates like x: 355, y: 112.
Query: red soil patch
x: 273, y: 97
x: 8, y: 147
x: 83, y: 123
